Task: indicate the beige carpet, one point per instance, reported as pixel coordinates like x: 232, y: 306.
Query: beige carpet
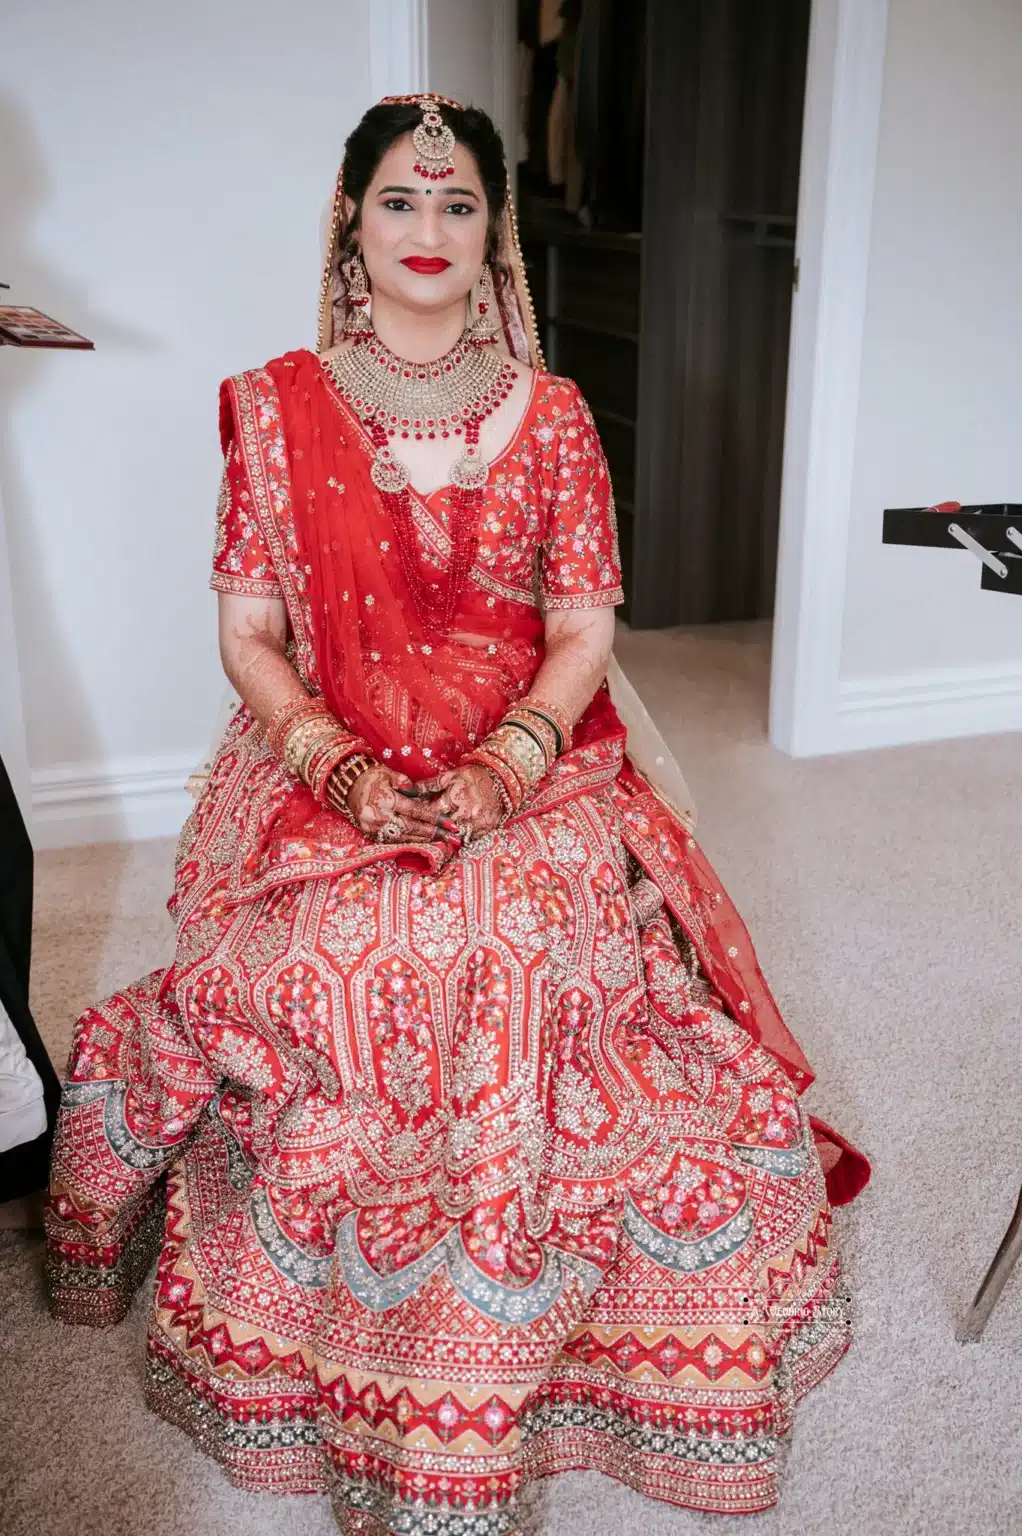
x: 882, y: 890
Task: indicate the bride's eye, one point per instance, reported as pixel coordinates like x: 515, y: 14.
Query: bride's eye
x: 396, y: 204
x: 459, y: 208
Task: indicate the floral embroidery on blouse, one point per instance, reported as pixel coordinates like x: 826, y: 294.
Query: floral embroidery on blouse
x: 581, y: 566
x: 548, y: 509
x: 549, y: 501
x: 241, y: 561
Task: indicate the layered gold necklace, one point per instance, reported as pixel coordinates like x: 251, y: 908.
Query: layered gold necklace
x: 448, y: 397
x: 399, y: 400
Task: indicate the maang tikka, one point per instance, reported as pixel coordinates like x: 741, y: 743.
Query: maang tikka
x: 434, y: 143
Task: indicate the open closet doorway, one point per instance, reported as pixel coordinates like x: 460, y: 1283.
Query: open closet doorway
x: 659, y: 146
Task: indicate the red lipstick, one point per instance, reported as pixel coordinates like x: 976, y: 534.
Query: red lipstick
x: 429, y: 266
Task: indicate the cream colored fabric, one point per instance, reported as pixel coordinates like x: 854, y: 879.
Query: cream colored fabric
x: 647, y: 748
x: 22, y: 1111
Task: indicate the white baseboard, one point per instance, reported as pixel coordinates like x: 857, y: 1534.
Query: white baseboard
x: 928, y: 706
x: 121, y: 801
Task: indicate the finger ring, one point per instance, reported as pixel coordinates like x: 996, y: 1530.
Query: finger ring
x: 390, y: 832
x: 466, y: 833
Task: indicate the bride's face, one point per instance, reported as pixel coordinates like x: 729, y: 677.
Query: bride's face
x: 423, y: 242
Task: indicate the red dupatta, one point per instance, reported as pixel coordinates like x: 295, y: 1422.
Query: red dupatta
x: 376, y: 659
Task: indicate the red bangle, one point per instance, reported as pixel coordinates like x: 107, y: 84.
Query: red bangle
x: 558, y: 717
x: 331, y: 757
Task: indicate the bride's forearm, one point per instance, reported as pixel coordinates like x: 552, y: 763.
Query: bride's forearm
x: 253, y: 635
x: 578, y: 647
x: 265, y: 679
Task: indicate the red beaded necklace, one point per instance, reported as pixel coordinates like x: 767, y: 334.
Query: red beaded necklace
x: 449, y: 396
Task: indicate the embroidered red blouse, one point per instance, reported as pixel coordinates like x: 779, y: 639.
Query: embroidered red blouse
x: 548, y: 503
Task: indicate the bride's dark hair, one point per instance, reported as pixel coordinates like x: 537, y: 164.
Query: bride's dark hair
x: 387, y: 122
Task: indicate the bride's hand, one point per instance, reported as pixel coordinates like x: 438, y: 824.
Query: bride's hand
x: 469, y: 797
x: 377, y: 806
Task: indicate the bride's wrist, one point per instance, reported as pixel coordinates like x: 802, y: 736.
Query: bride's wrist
x: 509, y: 787
x: 314, y: 745
x: 342, y: 781
x: 522, y: 749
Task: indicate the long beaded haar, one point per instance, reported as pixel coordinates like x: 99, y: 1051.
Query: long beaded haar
x: 451, y: 396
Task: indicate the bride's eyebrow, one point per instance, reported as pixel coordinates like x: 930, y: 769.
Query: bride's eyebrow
x: 411, y: 191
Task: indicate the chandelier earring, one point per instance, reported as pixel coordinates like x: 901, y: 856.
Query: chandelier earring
x: 357, y: 297
x: 484, y: 320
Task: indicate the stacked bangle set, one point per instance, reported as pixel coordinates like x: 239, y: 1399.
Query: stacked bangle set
x: 319, y: 751
x: 522, y: 749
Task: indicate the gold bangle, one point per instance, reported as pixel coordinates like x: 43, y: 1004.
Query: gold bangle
x: 289, y: 714
x: 345, y: 775
x: 556, y: 713
x: 305, y: 739
x: 351, y: 769
x: 509, y: 785
x: 543, y: 730
x: 520, y: 749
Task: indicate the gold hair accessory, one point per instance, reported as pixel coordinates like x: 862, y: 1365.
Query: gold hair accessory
x: 434, y: 143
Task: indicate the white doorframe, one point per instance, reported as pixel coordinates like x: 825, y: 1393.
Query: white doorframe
x: 505, y: 80
x: 398, y: 47
x: 844, y: 90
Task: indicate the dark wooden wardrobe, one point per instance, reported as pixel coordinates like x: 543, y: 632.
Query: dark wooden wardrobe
x: 669, y: 300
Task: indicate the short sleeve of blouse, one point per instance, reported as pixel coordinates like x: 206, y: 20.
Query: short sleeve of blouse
x: 241, y: 561
x: 580, y: 564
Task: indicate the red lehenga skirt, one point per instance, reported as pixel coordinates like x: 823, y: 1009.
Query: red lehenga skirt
x: 457, y: 1177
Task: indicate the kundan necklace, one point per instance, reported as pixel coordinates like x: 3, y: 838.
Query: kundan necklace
x: 448, y: 397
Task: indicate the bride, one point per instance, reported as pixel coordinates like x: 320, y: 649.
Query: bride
x: 463, y: 1123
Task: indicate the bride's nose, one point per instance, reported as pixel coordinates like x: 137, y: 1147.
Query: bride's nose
x: 430, y: 233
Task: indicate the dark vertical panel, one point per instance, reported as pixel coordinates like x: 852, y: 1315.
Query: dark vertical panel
x: 690, y: 396
x: 672, y: 33
x: 725, y: 86
x: 705, y: 360
x: 770, y: 44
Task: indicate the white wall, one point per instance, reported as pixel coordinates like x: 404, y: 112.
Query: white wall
x: 471, y: 49
x: 926, y: 652
x: 162, y: 179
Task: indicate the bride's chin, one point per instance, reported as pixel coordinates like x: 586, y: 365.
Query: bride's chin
x: 428, y: 296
